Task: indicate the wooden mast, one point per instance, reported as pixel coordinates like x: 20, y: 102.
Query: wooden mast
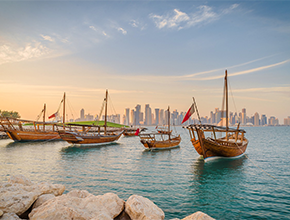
x: 227, y: 104
x: 195, y: 106
x: 105, y: 124
x: 44, y: 110
x: 63, y: 116
x: 169, y: 122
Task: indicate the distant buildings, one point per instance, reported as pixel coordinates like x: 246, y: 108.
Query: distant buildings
x: 160, y: 117
x: 287, y: 121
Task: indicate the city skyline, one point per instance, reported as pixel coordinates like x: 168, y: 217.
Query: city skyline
x: 162, y: 53
x: 159, y: 117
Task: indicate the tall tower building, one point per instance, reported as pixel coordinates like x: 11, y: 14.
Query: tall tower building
x: 244, y: 116
x: 148, y: 115
x: 161, y: 117
x: 127, y: 118
x: 263, y: 120
x: 157, y: 116
x: 82, y: 114
x: 132, y: 117
x: 256, y: 119
x: 137, y: 114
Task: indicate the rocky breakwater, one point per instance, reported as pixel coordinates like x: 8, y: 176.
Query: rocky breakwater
x: 22, y: 199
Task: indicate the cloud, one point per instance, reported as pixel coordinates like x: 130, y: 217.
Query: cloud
x: 93, y: 28
x: 243, y: 72
x: 10, y: 54
x: 48, y: 38
x: 266, y: 89
x: 137, y: 24
x: 179, y: 20
x: 122, y: 30
x: 134, y: 23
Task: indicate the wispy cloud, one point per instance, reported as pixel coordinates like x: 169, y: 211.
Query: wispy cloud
x: 122, y: 30
x: 11, y: 85
x: 265, y: 89
x: 179, y: 20
x: 9, y: 53
x: 98, y: 31
x: 48, y: 38
x: 240, y: 72
x: 137, y: 24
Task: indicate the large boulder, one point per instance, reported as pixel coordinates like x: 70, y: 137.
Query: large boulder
x: 79, y: 204
x: 140, y: 208
x: 42, y: 199
x: 10, y: 216
x: 19, y: 193
x: 198, y: 216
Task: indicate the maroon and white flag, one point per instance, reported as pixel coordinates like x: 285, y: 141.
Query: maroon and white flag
x: 190, y: 111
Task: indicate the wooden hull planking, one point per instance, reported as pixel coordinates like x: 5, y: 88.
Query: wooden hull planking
x: 82, y: 139
x: 129, y: 134
x: 220, y: 148
x: 18, y: 135
x: 159, y: 145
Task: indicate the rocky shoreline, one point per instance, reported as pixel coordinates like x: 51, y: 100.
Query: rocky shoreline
x: 20, y: 198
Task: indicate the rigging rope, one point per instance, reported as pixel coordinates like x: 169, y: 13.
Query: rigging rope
x: 70, y: 108
x: 232, y: 96
x: 39, y: 115
x: 111, y: 105
x: 101, y: 111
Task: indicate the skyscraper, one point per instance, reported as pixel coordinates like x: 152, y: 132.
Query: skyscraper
x: 82, y: 114
x: 256, y: 119
x: 157, y: 116
x: 263, y: 120
x: 161, y: 117
x: 244, y: 116
x: 148, y: 115
x: 137, y: 114
x: 132, y: 117
x: 127, y: 118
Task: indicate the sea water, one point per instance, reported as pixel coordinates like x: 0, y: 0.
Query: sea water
x: 255, y: 186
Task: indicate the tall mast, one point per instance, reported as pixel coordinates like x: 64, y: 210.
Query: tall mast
x: 227, y: 103
x: 63, y: 116
x: 106, y: 100
x: 195, y: 106
x: 44, y: 110
x: 168, y: 120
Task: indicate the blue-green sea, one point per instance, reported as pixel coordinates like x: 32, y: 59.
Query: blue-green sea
x: 255, y: 186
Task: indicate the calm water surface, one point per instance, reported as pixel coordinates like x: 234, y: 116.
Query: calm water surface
x: 256, y: 186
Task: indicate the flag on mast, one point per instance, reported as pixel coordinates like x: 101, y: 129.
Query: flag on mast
x: 190, y: 111
x: 137, y: 132
x: 53, y: 115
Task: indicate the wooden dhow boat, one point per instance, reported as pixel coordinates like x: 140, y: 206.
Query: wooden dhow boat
x: 160, y: 141
x: 91, y: 134
x: 28, y: 130
x: 205, y: 139
x: 129, y: 132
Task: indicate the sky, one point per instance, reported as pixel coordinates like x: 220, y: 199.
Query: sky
x: 161, y: 53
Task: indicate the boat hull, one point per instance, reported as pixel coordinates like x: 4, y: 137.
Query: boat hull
x: 18, y: 135
x: 161, y: 145
x: 129, y: 134
x: 220, y: 148
x: 83, y: 139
